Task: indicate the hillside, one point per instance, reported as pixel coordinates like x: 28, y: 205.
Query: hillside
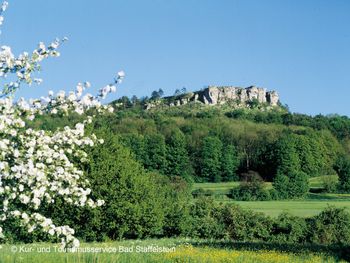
x: 219, y: 142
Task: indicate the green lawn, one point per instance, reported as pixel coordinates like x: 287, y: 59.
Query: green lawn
x: 225, y: 187
x: 317, y: 182
x: 303, y: 208
x: 216, y: 188
x: 311, y: 205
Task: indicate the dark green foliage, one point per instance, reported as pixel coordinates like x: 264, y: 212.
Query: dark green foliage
x: 176, y: 206
x: 286, y: 155
x: 260, y: 147
x: 15, y: 232
x: 136, y: 144
x: 331, y: 226
x: 342, y: 168
x: 210, y: 167
x: 254, y: 103
x: 281, y: 186
x: 293, y: 185
x: 250, y: 189
x: 205, y: 215
x: 243, y: 225
x: 300, y: 151
x: 155, y: 152
x: 177, y: 162
x: 133, y: 202
x: 229, y: 164
x: 289, y: 229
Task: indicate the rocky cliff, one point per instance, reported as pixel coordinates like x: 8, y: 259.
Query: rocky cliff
x: 214, y: 95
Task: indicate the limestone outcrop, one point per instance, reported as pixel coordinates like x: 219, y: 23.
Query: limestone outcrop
x: 217, y: 95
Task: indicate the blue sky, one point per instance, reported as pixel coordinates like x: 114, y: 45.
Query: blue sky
x: 299, y: 48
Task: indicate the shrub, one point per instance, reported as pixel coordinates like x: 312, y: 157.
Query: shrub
x: 329, y: 184
x: 289, y: 229
x: 251, y: 189
x: 331, y: 226
x: 176, y: 206
x: 205, y: 219
x: 242, y: 225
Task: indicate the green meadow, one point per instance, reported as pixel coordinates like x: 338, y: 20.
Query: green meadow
x: 313, y: 204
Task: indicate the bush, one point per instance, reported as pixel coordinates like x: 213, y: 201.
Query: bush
x: 289, y: 229
x: 251, y: 189
x: 331, y: 226
x: 176, y: 206
x: 205, y: 223
x: 329, y: 184
x: 241, y: 225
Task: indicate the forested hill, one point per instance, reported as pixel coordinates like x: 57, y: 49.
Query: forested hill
x: 219, y: 143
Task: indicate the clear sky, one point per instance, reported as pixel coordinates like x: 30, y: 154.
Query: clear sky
x: 301, y: 48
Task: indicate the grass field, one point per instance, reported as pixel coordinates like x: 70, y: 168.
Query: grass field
x: 303, y: 208
x: 180, y: 250
x: 311, y: 205
x: 225, y: 187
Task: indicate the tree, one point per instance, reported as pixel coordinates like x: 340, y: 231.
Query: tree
x: 136, y: 143
x: 298, y: 184
x: 176, y: 156
x: 177, y: 204
x: 281, y: 185
x: 134, y: 203
x: 293, y: 185
x: 211, y: 159
x: 342, y: 167
x: 285, y: 157
x: 230, y: 163
x: 157, y: 94
x: 135, y: 100
x: 304, y: 149
x: 125, y: 102
x: 177, y: 92
x: 155, y: 152
x: 39, y: 167
x: 160, y: 92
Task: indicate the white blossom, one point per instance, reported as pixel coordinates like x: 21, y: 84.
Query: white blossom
x: 38, y: 163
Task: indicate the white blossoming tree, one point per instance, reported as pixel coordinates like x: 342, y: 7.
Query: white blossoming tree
x: 36, y: 166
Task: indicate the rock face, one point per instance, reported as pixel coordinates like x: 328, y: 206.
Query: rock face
x: 215, y: 95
